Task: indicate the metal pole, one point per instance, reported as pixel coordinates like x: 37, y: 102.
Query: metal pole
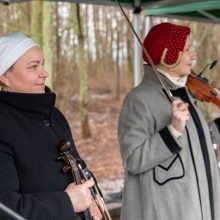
x: 137, y: 51
x: 147, y: 24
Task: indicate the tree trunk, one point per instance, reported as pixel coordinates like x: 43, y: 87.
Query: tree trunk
x: 130, y: 63
x: 36, y: 24
x: 47, y: 40
x: 24, y: 18
x: 117, y: 62
x: 83, y: 91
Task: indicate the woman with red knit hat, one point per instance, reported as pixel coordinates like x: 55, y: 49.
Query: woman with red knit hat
x: 170, y: 166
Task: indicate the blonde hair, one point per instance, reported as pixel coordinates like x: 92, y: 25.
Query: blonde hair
x: 3, y: 86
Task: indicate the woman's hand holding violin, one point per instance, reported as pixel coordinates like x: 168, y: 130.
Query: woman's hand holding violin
x: 218, y: 93
x: 94, y: 210
x: 80, y: 195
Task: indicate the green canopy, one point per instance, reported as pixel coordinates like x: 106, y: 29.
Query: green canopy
x: 205, y: 10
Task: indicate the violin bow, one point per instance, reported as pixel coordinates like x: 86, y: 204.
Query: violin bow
x: 167, y: 91
x: 105, y: 214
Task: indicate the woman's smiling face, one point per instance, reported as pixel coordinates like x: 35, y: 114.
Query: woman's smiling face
x: 27, y: 74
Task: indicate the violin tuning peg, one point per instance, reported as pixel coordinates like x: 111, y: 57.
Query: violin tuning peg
x: 66, y: 169
x: 59, y: 159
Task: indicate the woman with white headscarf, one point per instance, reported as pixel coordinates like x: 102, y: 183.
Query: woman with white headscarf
x: 31, y: 181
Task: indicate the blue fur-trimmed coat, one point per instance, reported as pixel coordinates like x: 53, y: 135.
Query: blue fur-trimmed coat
x: 166, y: 178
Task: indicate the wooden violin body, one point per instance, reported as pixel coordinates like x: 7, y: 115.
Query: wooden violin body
x: 201, y: 90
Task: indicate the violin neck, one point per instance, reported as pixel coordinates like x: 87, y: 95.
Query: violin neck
x: 85, y: 215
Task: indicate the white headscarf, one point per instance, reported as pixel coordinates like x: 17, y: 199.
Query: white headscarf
x: 12, y: 47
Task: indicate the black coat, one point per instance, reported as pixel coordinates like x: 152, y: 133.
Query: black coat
x: 31, y: 180
x: 217, y: 122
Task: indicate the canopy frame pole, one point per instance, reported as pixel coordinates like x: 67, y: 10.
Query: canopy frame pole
x: 137, y: 47
x: 208, y: 15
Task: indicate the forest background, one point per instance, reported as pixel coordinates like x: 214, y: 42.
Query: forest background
x: 89, y: 56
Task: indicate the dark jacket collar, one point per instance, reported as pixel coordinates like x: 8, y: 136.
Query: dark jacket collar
x: 41, y: 104
x: 151, y: 77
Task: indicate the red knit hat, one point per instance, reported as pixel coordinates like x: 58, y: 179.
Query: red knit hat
x: 165, y: 43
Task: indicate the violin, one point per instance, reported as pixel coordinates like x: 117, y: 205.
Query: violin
x: 79, y: 175
x: 201, y: 90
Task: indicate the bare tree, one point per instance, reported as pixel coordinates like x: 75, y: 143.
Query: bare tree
x: 83, y: 91
x: 24, y: 17
x: 117, y: 36
x: 36, y: 21
x: 47, y: 39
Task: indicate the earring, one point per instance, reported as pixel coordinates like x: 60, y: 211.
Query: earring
x: 4, y: 88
